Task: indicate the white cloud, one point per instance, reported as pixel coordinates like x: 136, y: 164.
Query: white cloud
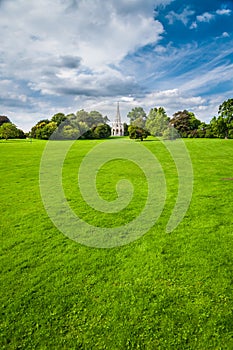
x: 193, y: 25
x: 58, y: 55
x: 36, y: 36
x: 225, y: 35
x: 224, y: 12
x: 184, y: 16
x: 98, y: 34
x: 70, y: 48
x: 174, y: 99
x: 205, y: 17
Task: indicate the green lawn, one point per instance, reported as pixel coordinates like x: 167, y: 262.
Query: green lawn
x: 162, y: 291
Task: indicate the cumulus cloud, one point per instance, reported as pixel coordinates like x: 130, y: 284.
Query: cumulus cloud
x: 174, y: 98
x: 58, y: 55
x: 70, y: 48
x: 224, y: 12
x: 55, y: 43
x: 97, y: 34
x: 225, y: 35
x: 205, y: 17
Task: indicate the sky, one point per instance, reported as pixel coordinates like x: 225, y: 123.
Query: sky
x: 67, y: 55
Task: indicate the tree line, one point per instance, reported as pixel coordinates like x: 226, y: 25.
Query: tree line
x: 82, y: 124
x: 8, y: 130
x: 183, y: 123
x: 92, y: 125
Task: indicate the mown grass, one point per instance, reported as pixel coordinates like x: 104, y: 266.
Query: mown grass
x: 163, y: 291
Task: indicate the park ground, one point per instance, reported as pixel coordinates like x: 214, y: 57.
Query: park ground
x: 162, y: 291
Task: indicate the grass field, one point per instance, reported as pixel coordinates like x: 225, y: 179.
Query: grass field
x: 162, y: 291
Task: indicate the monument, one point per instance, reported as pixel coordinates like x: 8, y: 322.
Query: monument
x: 117, y: 125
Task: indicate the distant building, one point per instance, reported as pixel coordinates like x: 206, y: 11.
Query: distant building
x: 117, y: 125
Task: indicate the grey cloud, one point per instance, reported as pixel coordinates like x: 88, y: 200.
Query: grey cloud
x: 101, y: 90
x: 14, y: 102
x: 71, y: 62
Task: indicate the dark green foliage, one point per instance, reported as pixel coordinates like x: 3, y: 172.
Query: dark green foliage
x: 223, y: 125
x: 126, y: 131
x: 58, y: 118
x: 4, y: 119
x: 185, y: 123
x: 137, y: 132
x: 8, y: 130
x: 101, y: 131
x: 226, y: 110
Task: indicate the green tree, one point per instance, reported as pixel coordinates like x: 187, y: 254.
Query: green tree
x: 4, y: 119
x: 101, y: 131
x: 170, y: 133
x: 43, y: 129
x: 58, y: 118
x: 137, y: 117
x: 37, y: 130
x: 72, y: 126
x: 185, y: 123
x: 9, y: 131
x: 137, y: 133
x: 47, y: 131
x: 219, y: 127
x: 157, y: 121
x: 70, y: 133
x: 92, y: 118
x: 226, y: 116
x: 126, y: 127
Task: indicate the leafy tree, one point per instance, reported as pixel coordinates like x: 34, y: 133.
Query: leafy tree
x: 137, y: 133
x: 102, y: 131
x: 70, y: 133
x: 185, y: 122
x: 226, y: 110
x: 4, y: 119
x: 126, y: 132
x: 170, y: 133
x: 157, y: 121
x: 58, y: 118
x: 219, y: 127
x: 96, y: 118
x: 72, y: 126
x: 201, y: 130
x: 105, y: 119
x: 21, y: 134
x: 43, y: 129
x: 137, y: 117
x: 82, y: 116
x: 9, y: 131
x: 226, y: 116
x: 139, y: 123
x: 48, y: 130
x: 92, y: 119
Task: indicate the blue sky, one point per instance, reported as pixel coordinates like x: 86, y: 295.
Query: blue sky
x: 61, y: 56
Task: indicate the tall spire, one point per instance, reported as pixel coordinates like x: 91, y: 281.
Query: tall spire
x: 118, y: 116
x: 117, y: 126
